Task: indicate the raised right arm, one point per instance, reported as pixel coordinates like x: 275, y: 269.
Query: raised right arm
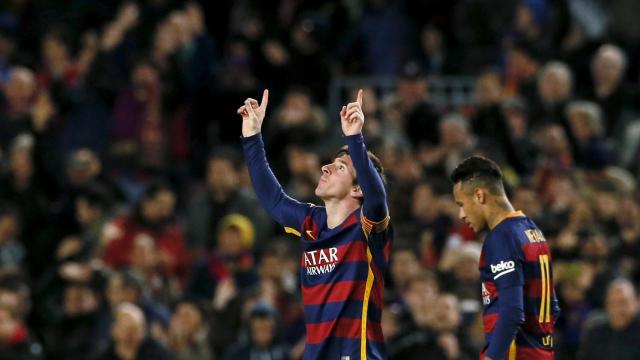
x: 286, y: 211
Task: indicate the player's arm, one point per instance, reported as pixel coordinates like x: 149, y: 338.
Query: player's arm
x: 505, y: 255
x: 285, y: 210
x: 375, y: 198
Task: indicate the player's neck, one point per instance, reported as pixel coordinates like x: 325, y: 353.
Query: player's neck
x: 338, y: 211
x: 500, y: 210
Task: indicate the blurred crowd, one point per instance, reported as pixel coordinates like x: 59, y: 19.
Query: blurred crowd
x: 128, y: 225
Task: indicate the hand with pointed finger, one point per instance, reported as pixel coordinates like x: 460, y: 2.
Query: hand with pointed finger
x: 253, y: 114
x: 352, y: 117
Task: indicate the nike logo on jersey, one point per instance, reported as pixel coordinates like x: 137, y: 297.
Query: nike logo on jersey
x: 502, y: 268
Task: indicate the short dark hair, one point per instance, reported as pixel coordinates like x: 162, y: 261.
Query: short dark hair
x: 481, y: 171
x: 377, y: 164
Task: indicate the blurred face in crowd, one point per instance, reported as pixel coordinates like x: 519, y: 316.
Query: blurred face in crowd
x: 621, y: 305
x: 296, y: 109
x: 145, y: 254
x: 608, y: 66
x: 79, y: 300
x: 554, y: 85
x: 187, y: 319
x: 20, y: 88
x: 470, y: 201
x: 55, y: 51
x: 488, y: 89
x: 8, y: 325
x: 454, y: 133
x: 230, y: 241
x: 145, y: 81
x: 84, y: 166
x: 337, y: 180
x: 8, y: 227
x: 86, y: 213
x: 421, y: 297
x: 580, y: 128
x: 118, y: 293
x: 222, y: 176
x: 263, y: 330
x: 404, y: 265
x: 270, y: 267
x: 302, y: 162
x: 159, y: 207
x: 447, y: 313
x: 465, y: 267
x: 128, y: 329
x: 527, y: 200
x: 21, y: 164
x: 423, y: 203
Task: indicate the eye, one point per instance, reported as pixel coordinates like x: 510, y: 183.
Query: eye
x: 340, y: 167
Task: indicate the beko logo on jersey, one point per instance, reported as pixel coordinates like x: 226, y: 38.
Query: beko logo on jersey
x: 503, y: 267
x: 318, y: 262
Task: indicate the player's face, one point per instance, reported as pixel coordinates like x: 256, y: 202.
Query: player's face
x: 337, y: 179
x: 470, y: 208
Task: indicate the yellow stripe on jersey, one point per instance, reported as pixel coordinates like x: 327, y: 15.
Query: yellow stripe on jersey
x: 544, y: 315
x: 293, y: 231
x: 512, y: 350
x: 365, y: 308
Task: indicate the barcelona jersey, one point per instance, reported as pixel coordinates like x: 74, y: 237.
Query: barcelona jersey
x: 516, y: 254
x: 341, y: 268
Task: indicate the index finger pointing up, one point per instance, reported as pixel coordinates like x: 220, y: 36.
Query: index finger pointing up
x: 359, y: 99
x: 265, y: 99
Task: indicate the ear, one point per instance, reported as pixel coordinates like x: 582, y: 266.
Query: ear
x: 356, y: 192
x: 479, y: 196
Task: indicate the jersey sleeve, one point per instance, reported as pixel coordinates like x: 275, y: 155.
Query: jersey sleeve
x: 375, y: 214
x: 505, y: 258
x: 286, y: 211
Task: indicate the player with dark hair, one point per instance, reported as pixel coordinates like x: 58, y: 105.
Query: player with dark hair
x: 520, y: 305
x: 345, y: 243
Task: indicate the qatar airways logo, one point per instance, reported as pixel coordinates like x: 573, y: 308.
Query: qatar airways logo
x: 318, y: 262
x: 502, y: 268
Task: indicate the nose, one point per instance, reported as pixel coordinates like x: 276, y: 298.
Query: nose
x: 461, y: 214
x: 326, y: 170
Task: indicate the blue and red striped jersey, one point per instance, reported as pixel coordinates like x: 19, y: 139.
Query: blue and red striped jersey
x: 516, y: 254
x: 342, y: 281
x: 342, y: 268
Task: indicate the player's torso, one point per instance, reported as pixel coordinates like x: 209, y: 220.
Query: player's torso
x: 536, y: 332
x: 341, y: 287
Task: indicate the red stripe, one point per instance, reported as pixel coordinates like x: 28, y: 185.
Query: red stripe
x: 532, y: 325
x: 533, y: 288
x: 489, y: 321
x: 349, y: 328
x: 533, y: 250
x: 374, y: 331
x: 333, y: 292
x: 482, y: 262
x: 532, y: 353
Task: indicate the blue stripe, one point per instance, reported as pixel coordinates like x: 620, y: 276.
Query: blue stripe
x: 345, y: 271
x: 336, y: 347
x: 351, y: 309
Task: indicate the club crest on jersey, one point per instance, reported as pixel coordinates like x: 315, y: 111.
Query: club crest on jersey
x: 322, y: 261
x: 502, y: 268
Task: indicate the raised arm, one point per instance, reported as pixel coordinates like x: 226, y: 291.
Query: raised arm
x: 375, y: 197
x: 285, y: 210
